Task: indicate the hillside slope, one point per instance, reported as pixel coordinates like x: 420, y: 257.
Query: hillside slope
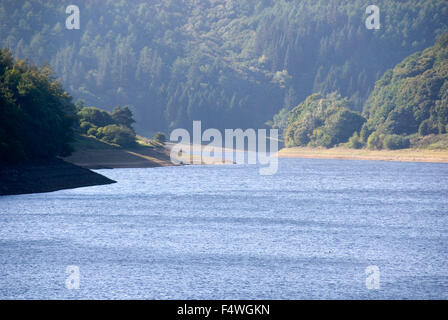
x: 93, y: 153
x: 412, y: 97
x: 409, y: 103
x: 227, y: 63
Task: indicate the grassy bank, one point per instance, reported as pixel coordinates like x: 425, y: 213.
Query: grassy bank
x: 96, y: 154
x: 93, y: 153
x: 408, y: 155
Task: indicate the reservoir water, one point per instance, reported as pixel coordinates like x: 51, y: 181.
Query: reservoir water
x: 225, y: 232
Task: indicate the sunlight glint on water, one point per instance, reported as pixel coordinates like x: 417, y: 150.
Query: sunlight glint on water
x: 225, y: 232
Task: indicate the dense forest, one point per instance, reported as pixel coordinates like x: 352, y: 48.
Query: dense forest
x: 322, y: 122
x: 227, y: 63
x: 37, y: 117
x: 39, y: 121
x: 411, y: 98
x: 409, y: 101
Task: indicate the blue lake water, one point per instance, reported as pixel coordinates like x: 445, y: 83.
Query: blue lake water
x: 225, y: 232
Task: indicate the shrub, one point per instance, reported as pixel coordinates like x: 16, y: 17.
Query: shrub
x: 301, y: 137
x: 92, y: 131
x: 441, y: 128
x: 123, y: 116
x: 289, y: 138
x: 117, y: 134
x: 160, y: 137
x: 341, y: 126
x: 365, y: 133
x: 426, y: 128
x: 322, y: 138
x: 322, y: 121
x: 375, y: 141
x: 355, y: 142
x: 394, y: 142
x: 85, y: 126
x: 98, y: 117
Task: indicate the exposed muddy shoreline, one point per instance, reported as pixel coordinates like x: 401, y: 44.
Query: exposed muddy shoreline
x: 46, y: 176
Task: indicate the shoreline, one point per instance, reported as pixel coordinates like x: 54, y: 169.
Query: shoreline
x: 119, y: 158
x: 73, y: 172
x: 46, y: 175
x: 139, y: 157
x: 92, y: 153
x: 403, y: 155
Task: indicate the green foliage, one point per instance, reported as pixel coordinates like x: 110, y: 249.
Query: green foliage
x: 375, y: 141
x: 228, y: 63
x: 365, y: 133
x: 299, y: 136
x: 355, y: 142
x: 114, y: 127
x: 322, y: 121
x: 160, y: 137
x: 413, y: 97
x: 280, y: 120
x: 85, y: 126
x: 394, y: 142
x: 434, y: 142
x: 36, y: 114
x: 92, y: 131
x: 343, y: 124
x: 122, y: 116
x: 95, y: 116
x: 117, y: 134
x: 426, y: 127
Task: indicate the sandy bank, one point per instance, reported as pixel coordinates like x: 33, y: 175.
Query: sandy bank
x: 139, y: 157
x: 407, y: 155
x: 119, y: 158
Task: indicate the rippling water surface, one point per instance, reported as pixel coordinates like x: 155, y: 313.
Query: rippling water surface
x: 225, y: 232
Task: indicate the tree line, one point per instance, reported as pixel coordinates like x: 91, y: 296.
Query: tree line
x: 38, y: 119
x: 408, y: 102
x: 37, y: 116
x: 227, y: 63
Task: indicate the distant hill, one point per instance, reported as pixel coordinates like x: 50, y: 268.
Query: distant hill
x: 412, y: 97
x: 227, y: 63
x: 408, y: 103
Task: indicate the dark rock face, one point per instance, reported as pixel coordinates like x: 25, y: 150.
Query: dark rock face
x: 46, y: 176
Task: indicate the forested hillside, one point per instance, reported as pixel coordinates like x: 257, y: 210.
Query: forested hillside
x: 39, y: 121
x: 37, y: 117
x: 409, y: 102
x: 411, y: 98
x: 227, y: 63
x: 322, y: 122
